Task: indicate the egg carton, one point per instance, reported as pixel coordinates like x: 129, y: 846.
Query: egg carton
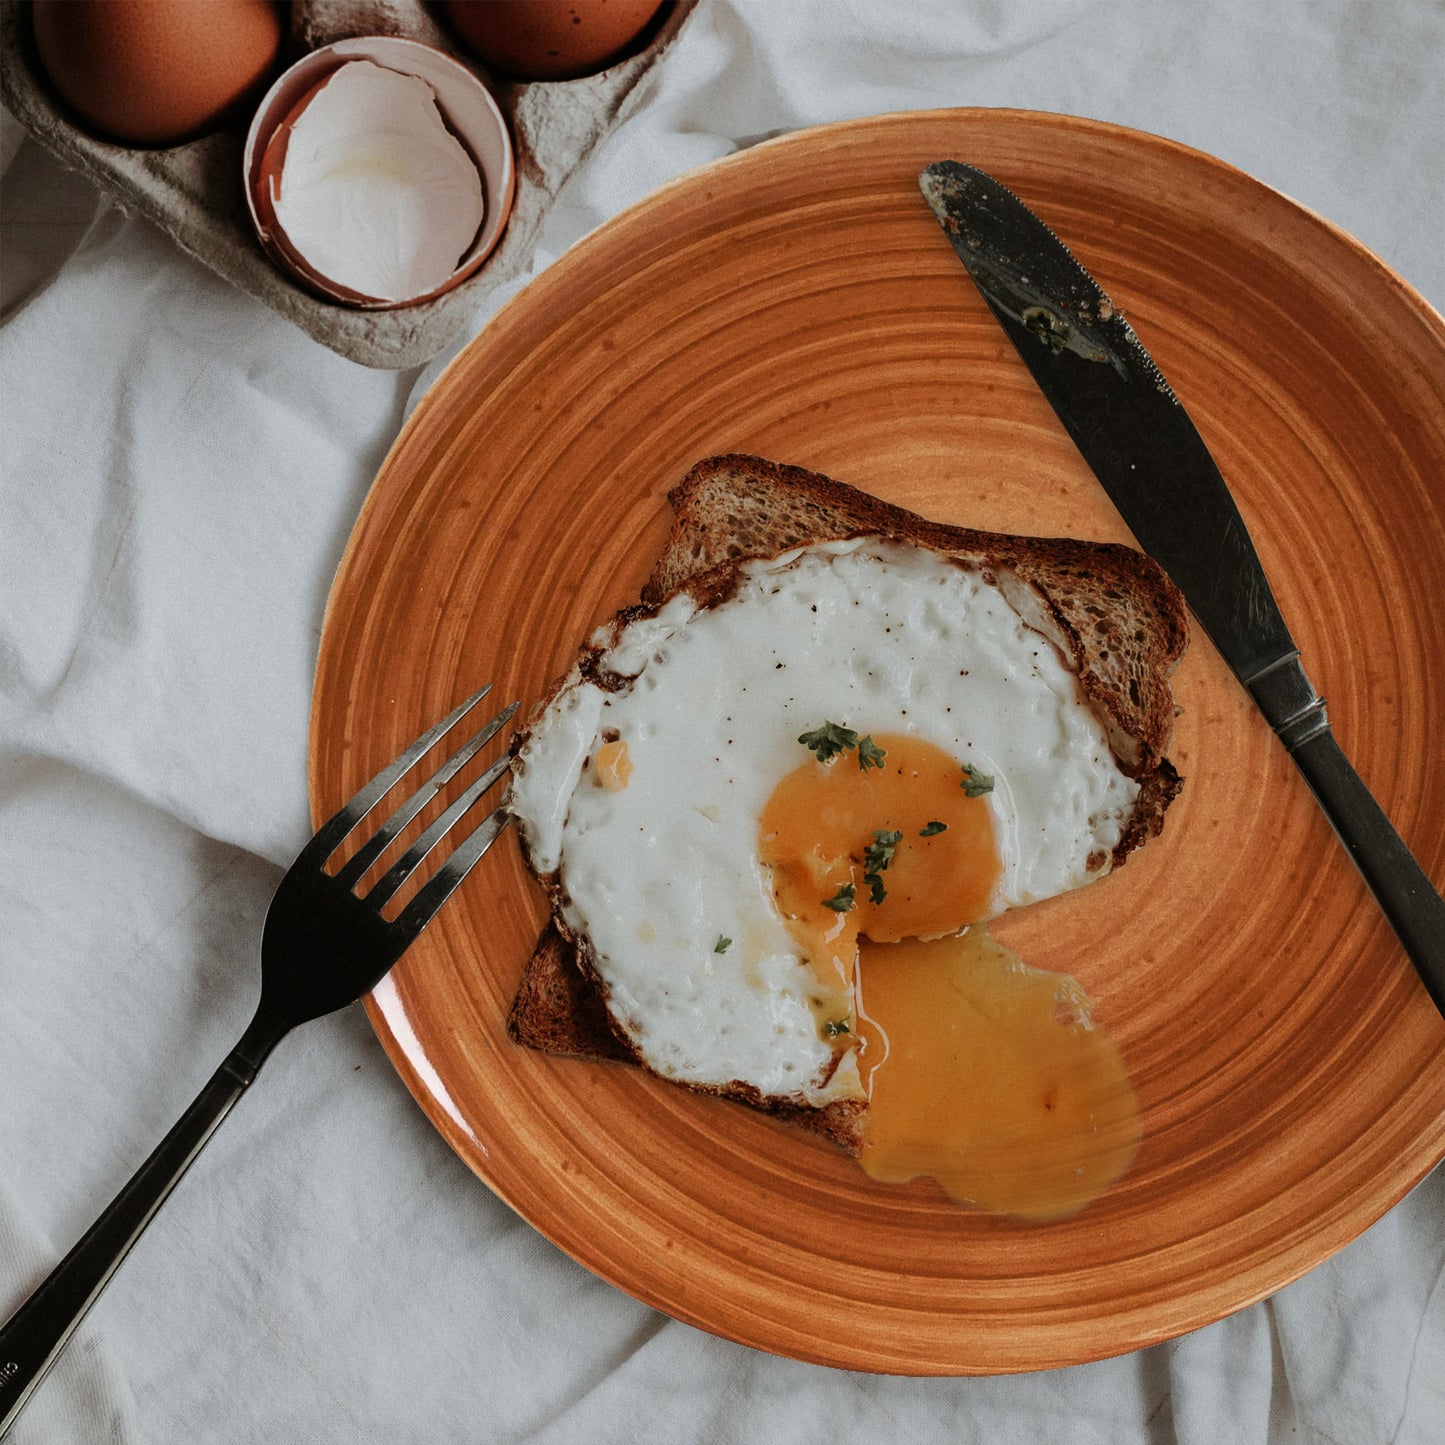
x: 195, y: 191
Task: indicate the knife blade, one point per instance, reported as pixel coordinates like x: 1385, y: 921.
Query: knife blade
x: 1136, y: 436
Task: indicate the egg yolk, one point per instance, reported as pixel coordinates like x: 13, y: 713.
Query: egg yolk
x: 613, y: 766
x: 829, y: 828
x: 987, y: 1076
x: 981, y: 1072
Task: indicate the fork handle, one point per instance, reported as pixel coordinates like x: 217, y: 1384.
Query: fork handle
x: 33, y: 1336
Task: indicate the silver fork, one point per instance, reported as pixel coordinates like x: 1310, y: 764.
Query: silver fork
x: 324, y: 945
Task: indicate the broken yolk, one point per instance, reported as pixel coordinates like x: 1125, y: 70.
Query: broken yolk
x: 820, y: 823
x: 987, y: 1075
x: 981, y: 1072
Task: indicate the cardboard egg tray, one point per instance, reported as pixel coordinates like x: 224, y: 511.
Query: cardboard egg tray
x: 195, y: 191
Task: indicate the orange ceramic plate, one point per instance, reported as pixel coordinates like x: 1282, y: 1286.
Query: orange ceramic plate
x: 798, y: 301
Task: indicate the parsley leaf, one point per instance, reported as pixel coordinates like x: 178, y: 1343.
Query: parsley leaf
x: 842, y: 900
x: 879, y: 853
x: 834, y: 1027
x: 829, y: 740
x: 876, y: 857
x: 833, y: 738
x: 723, y: 944
x: 1051, y: 329
x: 930, y: 830
x: 975, y: 782
x: 870, y: 755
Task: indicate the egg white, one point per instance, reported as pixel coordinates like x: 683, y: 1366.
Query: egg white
x: 872, y: 634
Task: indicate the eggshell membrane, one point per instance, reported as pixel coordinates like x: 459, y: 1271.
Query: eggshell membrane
x: 152, y: 72
x: 467, y: 108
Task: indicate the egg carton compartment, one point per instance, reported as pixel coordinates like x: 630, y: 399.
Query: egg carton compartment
x: 195, y: 191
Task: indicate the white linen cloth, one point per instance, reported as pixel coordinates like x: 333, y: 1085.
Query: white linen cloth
x: 181, y: 468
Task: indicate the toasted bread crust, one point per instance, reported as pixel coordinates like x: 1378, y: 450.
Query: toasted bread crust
x: 558, y: 1009
x: 1111, y: 609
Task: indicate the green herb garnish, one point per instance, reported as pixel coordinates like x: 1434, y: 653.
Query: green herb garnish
x: 834, y: 1027
x: 879, y: 853
x: 833, y: 738
x: 975, y: 782
x: 930, y: 830
x: 842, y: 900
x: 870, y: 755
x: 1050, y: 328
x: 829, y: 740
x: 876, y: 857
x: 723, y: 944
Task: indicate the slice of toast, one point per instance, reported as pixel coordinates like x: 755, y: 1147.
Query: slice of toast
x: 1109, y: 608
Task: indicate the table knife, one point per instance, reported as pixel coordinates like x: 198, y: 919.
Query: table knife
x: 1140, y: 443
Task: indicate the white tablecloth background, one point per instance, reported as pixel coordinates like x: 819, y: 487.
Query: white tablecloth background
x: 180, y: 472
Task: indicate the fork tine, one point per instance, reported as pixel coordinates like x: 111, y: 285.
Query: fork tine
x: 401, y: 870
x: 338, y: 827
x: 356, y: 866
x: 438, y: 888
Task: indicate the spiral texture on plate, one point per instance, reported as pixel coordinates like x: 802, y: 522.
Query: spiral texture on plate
x: 798, y: 301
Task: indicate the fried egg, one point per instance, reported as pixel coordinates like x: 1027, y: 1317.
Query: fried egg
x: 864, y: 741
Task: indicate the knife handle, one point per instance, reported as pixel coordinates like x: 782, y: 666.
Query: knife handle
x: 1406, y: 896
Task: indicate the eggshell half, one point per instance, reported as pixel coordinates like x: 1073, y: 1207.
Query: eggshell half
x: 467, y: 107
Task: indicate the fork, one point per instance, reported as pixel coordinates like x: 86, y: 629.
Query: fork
x: 325, y: 943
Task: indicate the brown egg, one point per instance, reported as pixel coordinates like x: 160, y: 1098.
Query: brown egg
x: 154, y: 72
x: 551, y: 39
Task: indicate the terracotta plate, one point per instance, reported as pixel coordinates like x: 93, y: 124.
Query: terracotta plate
x: 798, y: 301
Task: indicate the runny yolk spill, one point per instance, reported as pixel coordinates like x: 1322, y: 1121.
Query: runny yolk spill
x: 986, y: 1075
x: 981, y: 1072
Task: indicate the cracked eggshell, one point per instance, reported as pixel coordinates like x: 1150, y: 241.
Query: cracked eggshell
x: 467, y: 109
